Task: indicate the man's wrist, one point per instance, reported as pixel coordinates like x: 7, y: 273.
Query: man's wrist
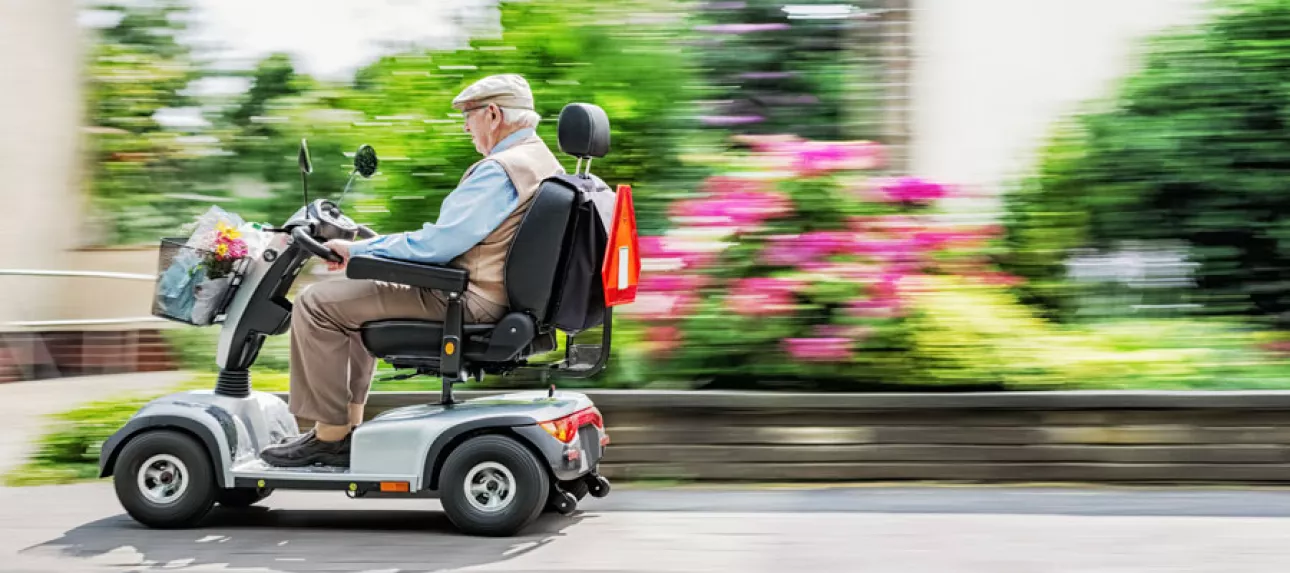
x: 359, y: 248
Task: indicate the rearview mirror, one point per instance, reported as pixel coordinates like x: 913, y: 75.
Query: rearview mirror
x: 306, y: 166
x: 365, y: 160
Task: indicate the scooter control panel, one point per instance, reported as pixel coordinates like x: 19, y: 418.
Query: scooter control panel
x: 333, y: 224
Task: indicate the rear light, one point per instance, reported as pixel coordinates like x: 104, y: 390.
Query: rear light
x: 566, y: 429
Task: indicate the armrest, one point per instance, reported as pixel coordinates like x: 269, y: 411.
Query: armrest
x: 421, y: 275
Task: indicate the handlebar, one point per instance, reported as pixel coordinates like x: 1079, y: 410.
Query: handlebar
x: 301, y: 235
x: 365, y: 233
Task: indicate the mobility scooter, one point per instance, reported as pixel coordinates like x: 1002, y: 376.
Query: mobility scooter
x: 494, y: 463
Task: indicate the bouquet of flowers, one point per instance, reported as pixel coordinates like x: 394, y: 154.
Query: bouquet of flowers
x: 201, y: 271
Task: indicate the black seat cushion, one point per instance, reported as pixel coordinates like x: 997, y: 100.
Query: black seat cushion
x: 504, y: 341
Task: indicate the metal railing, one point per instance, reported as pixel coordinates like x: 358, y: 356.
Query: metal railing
x: 79, y: 274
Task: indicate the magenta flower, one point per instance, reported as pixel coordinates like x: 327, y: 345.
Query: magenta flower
x: 762, y: 296
x: 836, y: 349
x: 913, y: 190
x: 816, y: 158
x: 795, y: 250
x: 735, y: 204
x: 886, y: 250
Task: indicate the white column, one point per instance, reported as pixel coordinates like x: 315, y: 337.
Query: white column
x: 40, y: 118
x: 992, y: 76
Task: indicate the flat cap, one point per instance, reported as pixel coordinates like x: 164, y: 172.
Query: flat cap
x: 505, y: 90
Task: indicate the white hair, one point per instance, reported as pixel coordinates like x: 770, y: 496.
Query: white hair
x: 520, y: 118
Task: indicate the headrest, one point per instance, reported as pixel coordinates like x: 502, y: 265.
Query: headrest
x: 584, y: 130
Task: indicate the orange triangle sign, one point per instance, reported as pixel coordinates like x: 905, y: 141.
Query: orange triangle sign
x: 621, y: 270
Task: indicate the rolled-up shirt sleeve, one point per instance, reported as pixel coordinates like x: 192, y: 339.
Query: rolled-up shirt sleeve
x: 469, y: 214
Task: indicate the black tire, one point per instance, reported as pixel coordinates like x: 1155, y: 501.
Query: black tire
x: 240, y: 497
x: 187, y: 508
x: 528, y: 489
x: 578, y: 488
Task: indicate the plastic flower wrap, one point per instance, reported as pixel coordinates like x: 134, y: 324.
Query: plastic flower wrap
x: 200, y: 273
x: 795, y: 263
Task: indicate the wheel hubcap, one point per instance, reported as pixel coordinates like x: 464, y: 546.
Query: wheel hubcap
x: 162, y: 480
x: 489, y: 487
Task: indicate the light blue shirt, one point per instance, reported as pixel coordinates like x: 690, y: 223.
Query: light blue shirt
x: 469, y: 214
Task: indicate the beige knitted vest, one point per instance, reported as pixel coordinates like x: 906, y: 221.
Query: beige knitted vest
x: 528, y: 162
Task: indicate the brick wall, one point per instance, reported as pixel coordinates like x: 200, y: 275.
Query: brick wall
x: 53, y: 354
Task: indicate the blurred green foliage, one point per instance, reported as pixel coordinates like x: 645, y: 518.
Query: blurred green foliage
x: 150, y: 180
x: 972, y: 334
x: 1192, y: 148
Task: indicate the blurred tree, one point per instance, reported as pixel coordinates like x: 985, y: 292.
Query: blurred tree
x: 136, y: 68
x: 1193, y: 149
x: 607, y: 54
x: 149, y: 178
x: 767, y: 73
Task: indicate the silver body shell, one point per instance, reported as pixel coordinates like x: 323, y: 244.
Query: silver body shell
x: 393, y: 446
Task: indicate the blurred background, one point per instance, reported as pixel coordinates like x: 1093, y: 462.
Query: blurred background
x: 833, y: 196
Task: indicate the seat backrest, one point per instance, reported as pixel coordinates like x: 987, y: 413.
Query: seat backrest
x: 538, y: 248
x: 543, y: 239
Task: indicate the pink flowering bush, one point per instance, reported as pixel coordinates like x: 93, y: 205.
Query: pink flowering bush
x: 797, y: 263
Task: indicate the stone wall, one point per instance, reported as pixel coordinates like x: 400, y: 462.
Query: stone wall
x: 1202, y: 437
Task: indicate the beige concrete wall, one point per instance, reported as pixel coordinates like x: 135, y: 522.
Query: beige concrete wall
x: 39, y: 126
x: 993, y: 75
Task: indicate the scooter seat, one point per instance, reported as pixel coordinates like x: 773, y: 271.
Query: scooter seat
x: 422, y: 339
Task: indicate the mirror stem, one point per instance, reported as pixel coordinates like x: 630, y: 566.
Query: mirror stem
x: 348, y: 184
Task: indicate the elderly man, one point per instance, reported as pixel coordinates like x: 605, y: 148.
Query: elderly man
x: 331, y: 372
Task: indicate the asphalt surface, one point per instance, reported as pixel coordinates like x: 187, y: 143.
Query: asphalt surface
x: 870, y: 529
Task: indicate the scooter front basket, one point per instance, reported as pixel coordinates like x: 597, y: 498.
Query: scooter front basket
x: 194, y: 286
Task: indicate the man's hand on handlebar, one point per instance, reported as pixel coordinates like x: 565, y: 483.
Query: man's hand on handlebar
x: 341, y: 248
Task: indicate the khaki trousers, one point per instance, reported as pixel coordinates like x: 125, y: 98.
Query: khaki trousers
x: 330, y: 368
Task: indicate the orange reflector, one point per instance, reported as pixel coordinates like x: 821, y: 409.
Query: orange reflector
x: 395, y: 486
x: 621, y: 270
x: 449, y: 348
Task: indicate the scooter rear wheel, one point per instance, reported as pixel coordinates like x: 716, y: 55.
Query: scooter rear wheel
x: 164, y: 479
x: 493, y: 486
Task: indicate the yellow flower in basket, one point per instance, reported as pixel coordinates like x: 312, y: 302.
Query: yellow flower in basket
x: 228, y: 231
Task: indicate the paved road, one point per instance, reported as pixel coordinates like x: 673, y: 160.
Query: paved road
x: 906, y: 530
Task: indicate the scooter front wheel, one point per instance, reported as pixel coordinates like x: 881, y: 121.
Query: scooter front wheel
x: 164, y: 480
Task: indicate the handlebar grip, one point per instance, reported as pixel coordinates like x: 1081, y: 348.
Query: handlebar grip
x: 301, y: 235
